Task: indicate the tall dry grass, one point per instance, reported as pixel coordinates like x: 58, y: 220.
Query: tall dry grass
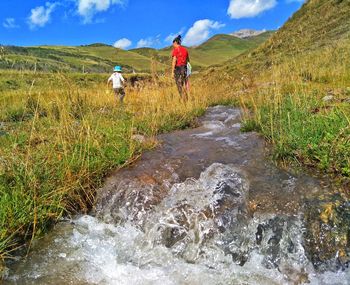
x: 302, y: 106
x: 59, y: 139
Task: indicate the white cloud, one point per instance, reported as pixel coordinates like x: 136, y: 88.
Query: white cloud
x: 249, y: 8
x: 171, y: 37
x: 88, y: 8
x: 144, y: 43
x: 41, y: 15
x: 10, y: 23
x: 148, y: 42
x: 200, y: 31
x: 122, y: 43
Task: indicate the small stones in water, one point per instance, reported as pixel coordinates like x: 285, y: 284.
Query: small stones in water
x: 259, y: 234
x: 147, y: 142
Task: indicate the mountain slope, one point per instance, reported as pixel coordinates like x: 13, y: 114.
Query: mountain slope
x: 318, y: 24
x: 214, y: 51
x: 247, y: 33
x: 220, y: 48
x: 100, y: 58
x: 93, y: 58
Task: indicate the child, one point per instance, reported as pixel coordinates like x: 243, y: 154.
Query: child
x: 118, y: 81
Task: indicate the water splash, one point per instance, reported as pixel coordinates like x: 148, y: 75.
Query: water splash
x: 206, y: 208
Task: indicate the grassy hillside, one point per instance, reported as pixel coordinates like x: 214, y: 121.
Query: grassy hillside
x: 215, y: 51
x: 97, y: 58
x: 100, y: 58
x: 220, y: 48
x: 223, y: 42
x: 263, y: 37
x: 318, y: 24
x: 14, y: 81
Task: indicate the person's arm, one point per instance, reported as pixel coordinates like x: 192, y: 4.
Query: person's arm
x: 109, y: 80
x: 173, y: 66
x: 122, y: 79
x: 173, y: 63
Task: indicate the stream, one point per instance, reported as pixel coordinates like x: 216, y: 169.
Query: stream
x: 206, y: 207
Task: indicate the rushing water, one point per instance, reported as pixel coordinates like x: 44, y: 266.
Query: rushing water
x: 207, y: 207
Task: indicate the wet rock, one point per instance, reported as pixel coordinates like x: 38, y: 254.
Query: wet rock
x: 274, y: 229
x: 171, y: 236
x: 189, y: 213
x: 327, y: 238
x: 276, y: 238
x: 259, y: 234
x: 188, y: 221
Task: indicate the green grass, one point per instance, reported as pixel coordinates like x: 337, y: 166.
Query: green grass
x: 303, y: 128
x: 292, y: 114
x: 100, y: 58
x: 92, y: 59
x: 283, y: 83
x: 12, y: 81
x: 60, y: 134
x: 215, y: 51
x: 41, y: 162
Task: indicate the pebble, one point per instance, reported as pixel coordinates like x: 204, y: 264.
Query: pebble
x: 139, y: 138
x: 328, y: 98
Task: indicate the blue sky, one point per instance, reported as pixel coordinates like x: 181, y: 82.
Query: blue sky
x: 134, y: 23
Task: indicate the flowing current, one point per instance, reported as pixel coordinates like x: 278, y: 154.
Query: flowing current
x: 207, y: 207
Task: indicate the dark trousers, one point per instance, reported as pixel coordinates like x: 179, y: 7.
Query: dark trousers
x: 181, y: 79
x: 119, y: 92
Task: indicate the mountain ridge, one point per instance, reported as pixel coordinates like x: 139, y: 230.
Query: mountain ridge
x: 247, y: 33
x: 100, y: 57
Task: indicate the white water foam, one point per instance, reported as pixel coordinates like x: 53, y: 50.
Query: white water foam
x: 88, y: 251
x: 98, y: 253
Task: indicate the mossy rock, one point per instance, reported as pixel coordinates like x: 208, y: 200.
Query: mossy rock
x: 327, y: 236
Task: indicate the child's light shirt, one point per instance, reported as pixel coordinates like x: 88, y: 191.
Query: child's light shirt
x: 117, y: 80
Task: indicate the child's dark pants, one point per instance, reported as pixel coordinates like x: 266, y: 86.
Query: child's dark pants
x: 119, y: 94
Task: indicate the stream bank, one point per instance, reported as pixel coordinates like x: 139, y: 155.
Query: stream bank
x: 206, y: 207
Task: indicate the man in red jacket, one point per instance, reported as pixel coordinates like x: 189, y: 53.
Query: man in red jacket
x: 179, y: 66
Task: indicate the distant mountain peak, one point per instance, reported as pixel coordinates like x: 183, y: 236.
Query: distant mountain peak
x: 247, y: 33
